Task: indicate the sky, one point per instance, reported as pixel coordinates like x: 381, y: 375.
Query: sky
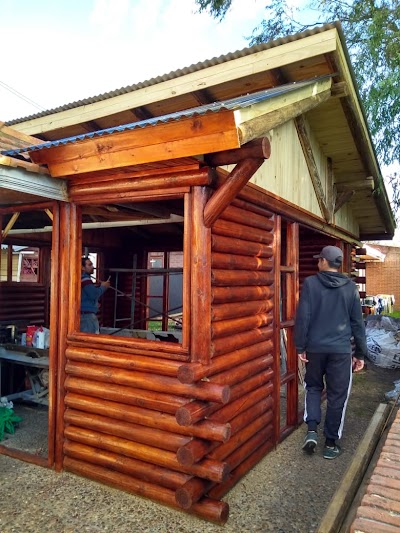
x: 55, y: 52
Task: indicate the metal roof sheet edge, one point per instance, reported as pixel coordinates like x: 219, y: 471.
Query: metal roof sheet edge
x: 238, y: 102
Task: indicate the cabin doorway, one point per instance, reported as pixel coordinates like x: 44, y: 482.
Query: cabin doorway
x: 25, y: 311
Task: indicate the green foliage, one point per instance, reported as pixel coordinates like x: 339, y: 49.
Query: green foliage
x: 216, y: 8
x: 372, y: 32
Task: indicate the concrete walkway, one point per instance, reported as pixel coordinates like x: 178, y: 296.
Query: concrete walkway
x: 287, y: 492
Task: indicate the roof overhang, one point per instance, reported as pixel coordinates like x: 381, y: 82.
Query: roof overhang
x: 338, y: 123
x: 191, y: 133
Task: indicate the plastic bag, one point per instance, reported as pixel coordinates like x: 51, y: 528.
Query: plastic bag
x: 383, y: 341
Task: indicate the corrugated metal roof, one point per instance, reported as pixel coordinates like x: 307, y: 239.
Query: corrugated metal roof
x: 232, y: 104
x: 181, y: 72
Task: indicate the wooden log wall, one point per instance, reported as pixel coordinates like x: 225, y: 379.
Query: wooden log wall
x: 120, y: 425
x: 28, y: 303
x: 24, y: 304
x: 241, y: 352
x: 181, y: 425
x: 120, y: 399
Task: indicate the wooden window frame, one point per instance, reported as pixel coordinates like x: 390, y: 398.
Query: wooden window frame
x: 75, y: 335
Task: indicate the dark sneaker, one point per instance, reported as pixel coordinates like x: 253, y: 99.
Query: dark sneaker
x: 310, y: 442
x: 331, y: 452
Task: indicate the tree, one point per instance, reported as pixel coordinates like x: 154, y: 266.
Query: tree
x: 372, y: 32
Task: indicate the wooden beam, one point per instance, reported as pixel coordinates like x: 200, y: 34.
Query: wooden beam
x: 9, y: 225
x: 265, y: 199
x: 259, y: 148
x: 142, y: 113
x: 237, y: 179
x: 149, y: 208
x: 212, y: 132
x: 203, y: 97
x: 7, y: 161
x: 12, y: 138
x: 340, y: 89
x: 38, y: 206
x: 260, y: 126
x: 330, y: 190
x: 342, y: 199
x: 360, y: 185
x: 312, y: 167
x: 49, y: 214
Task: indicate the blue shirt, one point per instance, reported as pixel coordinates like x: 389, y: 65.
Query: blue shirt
x: 90, y: 294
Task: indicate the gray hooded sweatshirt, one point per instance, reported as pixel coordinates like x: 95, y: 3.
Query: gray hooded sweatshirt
x: 328, y: 315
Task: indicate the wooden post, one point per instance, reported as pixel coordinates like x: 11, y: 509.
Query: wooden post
x: 200, y: 279
x: 54, y: 338
x: 64, y: 273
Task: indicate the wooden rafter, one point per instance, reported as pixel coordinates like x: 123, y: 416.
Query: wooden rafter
x: 10, y: 138
x: 312, y: 167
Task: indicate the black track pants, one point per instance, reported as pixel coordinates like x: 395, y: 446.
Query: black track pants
x: 337, y: 370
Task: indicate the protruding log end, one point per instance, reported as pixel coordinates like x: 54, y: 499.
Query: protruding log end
x: 227, y: 432
x: 183, y: 498
x: 183, y: 417
x: 226, y: 394
x: 224, y: 513
x: 185, y: 456
x: 210, y: 509
x: 193, y: 452
x: 186, y: 374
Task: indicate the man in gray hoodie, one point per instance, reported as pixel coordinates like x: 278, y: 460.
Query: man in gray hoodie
x: 328, y: 315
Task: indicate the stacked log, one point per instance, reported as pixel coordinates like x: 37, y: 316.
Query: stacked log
x: 121, y: 429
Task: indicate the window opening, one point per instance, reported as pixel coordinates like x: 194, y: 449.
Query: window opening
x: 144, y: 262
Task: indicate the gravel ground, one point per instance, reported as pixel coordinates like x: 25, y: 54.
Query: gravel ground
x: 287, y: 492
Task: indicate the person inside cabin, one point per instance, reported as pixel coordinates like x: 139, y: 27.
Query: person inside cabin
x: 90, y: 294
x: 328, y: 315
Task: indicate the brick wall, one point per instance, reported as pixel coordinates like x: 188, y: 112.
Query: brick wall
x: 379, y: 511
x: 384, y: 278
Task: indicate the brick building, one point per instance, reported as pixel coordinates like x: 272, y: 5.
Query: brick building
x: 384, y: 277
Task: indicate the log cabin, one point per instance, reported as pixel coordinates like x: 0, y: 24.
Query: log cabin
x: 204, y: 194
